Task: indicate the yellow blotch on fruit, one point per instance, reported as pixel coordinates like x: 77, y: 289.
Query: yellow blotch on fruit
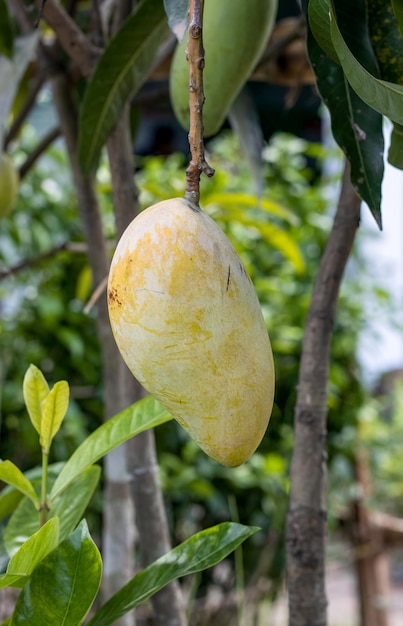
x: 9, y: 183
x: 188, y: 323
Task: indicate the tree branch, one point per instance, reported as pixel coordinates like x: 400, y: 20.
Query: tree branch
x: 195, y: 57
x: 34, y: 155
x: 71, y: 38
x: 306, y: 521
x: 36, y: 260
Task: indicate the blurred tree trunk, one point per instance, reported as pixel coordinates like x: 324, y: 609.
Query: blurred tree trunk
x: 118, y: 532
x: 306, y: 520
x: 142, y: 462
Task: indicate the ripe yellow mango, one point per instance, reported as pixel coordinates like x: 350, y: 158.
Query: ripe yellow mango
x: 235, y: 33
x: 187, y: 321
x: 8, y: 185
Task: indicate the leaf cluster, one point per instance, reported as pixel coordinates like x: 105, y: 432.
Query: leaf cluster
x: 47, y: 542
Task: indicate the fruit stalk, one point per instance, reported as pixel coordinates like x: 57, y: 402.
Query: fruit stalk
x: 195, y: 58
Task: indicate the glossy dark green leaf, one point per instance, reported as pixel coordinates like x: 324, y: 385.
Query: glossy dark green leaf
x: 144, y: 414
x: 23, y: 523
x: 201, y: 551
x: 6, y: 31
x: 62, y: 588
x: 319, y: 21
x: 356, y: 127
x: 178, y: 16
x: 397, y: 6
x: 383, y: 96
x: 30, y: 554
x: 70, y: 506
x: 120, y: 72
x: 387, y: 42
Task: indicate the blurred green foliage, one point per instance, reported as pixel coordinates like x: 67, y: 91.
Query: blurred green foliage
x: 280, y: 238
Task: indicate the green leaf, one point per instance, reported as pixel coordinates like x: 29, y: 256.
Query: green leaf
x: 32, y: 551
x: 230, y: 210
x: 12, y: 475
x: 54, y: 408
x: 35, y: 390
x: 235, y: 200
x: 71, y: 575
x: 120, y: 72
x: 387, y: 43
x: 144, y: 414
x: 383, y: 96
x: 203, y: 550
x: 69, y: 507
x: 398, y: 11
x: 178, y: 16
x: 356, y: 127
x: 395, y: 154
x: 6, y: 31
x: 23, y: 523
x: 10, y: 497
x: 319, y: 22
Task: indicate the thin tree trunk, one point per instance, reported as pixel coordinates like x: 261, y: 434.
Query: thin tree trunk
x: 118, y: 518
x: 306, y: 520
x: 150, y: 514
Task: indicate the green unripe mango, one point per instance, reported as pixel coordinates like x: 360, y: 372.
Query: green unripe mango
x: 9, y: 184
x: 235, y: 33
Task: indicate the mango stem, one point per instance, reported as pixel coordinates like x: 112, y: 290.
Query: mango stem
x: 195, y: 58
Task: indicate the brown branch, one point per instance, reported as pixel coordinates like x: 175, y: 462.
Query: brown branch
x: 306, y: 520
x: 37, y: 260
x: 25, y: 109
x: 195, y: 57
x: 34, y: 155
x: 71, y: 38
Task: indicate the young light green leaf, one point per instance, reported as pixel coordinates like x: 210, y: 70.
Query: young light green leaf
x: 35, y: 390
x: 236, y: 200
x: 120, y: 72
x: 10, y: 497
x: 144, y: 414
x: 12, y: 475
x: 54, y: 408
x: 31, y: 552
x: 201, y: 551
x: 71, y: 575
x: 383, y: 96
